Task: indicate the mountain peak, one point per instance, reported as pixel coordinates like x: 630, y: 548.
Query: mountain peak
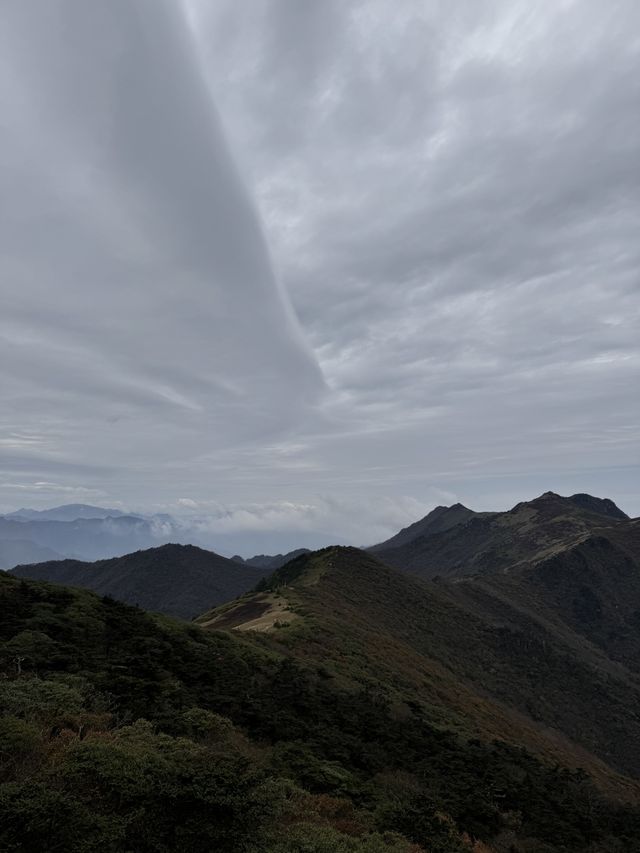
x: 601, y: 506
x: 335, y: 574
x: 169, y: 548
x: 307, y: 567
x: 440, y: 518
x: 581, y: 501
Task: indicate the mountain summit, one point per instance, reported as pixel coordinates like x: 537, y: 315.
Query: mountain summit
x: 437, y: 521
x: 455, y: 541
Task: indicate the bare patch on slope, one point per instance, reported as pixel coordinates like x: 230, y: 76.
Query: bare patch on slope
x: 263, y: 612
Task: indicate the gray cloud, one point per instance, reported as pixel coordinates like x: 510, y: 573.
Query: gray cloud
x: 140, y: 307
x: 451, y: 197
x: 456, y: 228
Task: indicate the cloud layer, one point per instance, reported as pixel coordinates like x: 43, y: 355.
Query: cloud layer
x: 142, y: 318
x: 451, y: 197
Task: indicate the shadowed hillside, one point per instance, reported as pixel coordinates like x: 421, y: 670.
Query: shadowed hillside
x: 588, y: 590
x: 179, y: 580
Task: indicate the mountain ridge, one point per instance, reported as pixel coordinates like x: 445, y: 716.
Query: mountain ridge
x: 464, y: 649
x: 437, y: 521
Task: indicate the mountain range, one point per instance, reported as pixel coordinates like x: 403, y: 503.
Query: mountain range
x: 85, y: 532
x: 88, y: 535
x: 66, y: 512
x: 471, y: 684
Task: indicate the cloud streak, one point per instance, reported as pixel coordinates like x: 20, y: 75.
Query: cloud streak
x: 140, y: 304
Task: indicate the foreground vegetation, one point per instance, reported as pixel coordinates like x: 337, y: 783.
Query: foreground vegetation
x: 121, y: 731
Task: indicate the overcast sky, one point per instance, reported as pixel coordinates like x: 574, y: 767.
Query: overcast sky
x: 315, y: 267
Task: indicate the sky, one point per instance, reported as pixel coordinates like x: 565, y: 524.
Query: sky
x: 310, y: 269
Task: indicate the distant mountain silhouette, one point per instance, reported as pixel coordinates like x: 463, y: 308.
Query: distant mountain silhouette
x: 85, y: 532
x: 179, y: 580
x: 66, y: 512
x: 89, y: 538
